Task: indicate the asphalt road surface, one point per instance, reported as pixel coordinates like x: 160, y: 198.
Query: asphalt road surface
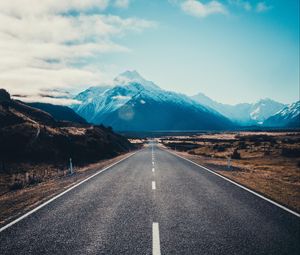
x: 155, y: 203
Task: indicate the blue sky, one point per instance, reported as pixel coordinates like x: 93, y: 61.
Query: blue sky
x: 241, y: 56
x: 232, y: 50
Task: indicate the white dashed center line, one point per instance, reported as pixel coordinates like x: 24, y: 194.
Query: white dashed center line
x: 153, y: 170
x: 153, y: 185
x: 155, y: 239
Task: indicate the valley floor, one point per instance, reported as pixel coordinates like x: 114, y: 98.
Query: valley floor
x: 268, y: 163
x: 154, y: 202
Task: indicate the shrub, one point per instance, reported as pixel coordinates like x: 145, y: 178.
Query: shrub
x: 16, y: 185
x: 236, y: 154
x: 290, y: 152
x: 242, y: 145
x: 219, y: 148
x: 34, y: 180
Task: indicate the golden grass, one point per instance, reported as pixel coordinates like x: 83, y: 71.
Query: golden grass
x: 15, y: 203
x: 262, y: 167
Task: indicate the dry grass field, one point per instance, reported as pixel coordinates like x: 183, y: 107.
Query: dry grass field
x: 266, y: 162
x: 20, y: 193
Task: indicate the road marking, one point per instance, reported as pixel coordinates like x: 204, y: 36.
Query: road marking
x: 153, y: 185
x: 153, y: 169
x: 155, y: 239
x: 62, y: 193
x: 152, y: 162
x: 241, y: 186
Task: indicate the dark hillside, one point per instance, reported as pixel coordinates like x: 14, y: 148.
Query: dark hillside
x: 31, y: 135
x: 59, y: 112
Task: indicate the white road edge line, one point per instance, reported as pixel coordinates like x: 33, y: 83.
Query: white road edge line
x: 155, y: 239
x: 153, y: 185
x: 62, y: 193
x: 241, y: 186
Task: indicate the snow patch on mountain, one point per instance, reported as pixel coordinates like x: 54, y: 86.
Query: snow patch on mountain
x: 289, y: 116
x: 130, y: 85
x: 244, y: 114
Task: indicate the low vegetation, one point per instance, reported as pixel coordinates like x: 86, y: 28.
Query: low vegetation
x: 264, y: 161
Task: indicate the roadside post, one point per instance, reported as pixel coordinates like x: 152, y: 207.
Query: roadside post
x: 71, y: 166
x: 228, y: 163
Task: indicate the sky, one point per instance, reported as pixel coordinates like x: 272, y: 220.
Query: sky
x: 231, y: 50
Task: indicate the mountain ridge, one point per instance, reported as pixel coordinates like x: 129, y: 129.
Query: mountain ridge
x: 289, y: 117
x: 59, y: 112
x: 243, y: 113
x: 130, y: 105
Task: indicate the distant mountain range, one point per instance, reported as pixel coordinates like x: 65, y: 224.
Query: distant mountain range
x: 245, y: 114
x: 136, y: 104
x: 289, y: 116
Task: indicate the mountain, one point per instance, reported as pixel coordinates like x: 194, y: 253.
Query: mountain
x: 28, y: 134
x: 289, y: 116
x: 263, y: 109
x: 59, y: 112
x: 245, y: 113
x: 136, y: 104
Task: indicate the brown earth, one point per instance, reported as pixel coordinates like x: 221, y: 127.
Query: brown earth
x: 268, y: 163
x: 14, y: 203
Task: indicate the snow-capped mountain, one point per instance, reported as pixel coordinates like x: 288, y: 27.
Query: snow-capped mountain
x: 263, y: 109
x: 244, y: 114
x: 289, y: 116
x: 138, y: 104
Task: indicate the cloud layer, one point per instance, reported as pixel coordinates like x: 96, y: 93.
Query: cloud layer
x: 250, y: 6
x: 201, y: 9
x: 43, y: 43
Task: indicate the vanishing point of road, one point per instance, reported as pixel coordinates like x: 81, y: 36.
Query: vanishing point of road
x: 155, y: 202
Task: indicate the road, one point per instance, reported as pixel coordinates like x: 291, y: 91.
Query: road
x: 155, y: 203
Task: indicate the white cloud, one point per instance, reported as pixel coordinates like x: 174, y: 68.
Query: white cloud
x: 242, y: 4
x: 120, y: 97
x: 121, y: 3
x: 262, y: 7
x: 48, y: 100
x: 259, y: 7
x: 21, y: 8
x: 199, y: 9
x: 41, y: 46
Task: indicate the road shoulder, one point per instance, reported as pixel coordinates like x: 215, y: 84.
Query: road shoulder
x: 16, y: 203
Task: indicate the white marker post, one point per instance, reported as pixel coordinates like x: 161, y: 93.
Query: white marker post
x: 71, y: 166
x: 228, y: 163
